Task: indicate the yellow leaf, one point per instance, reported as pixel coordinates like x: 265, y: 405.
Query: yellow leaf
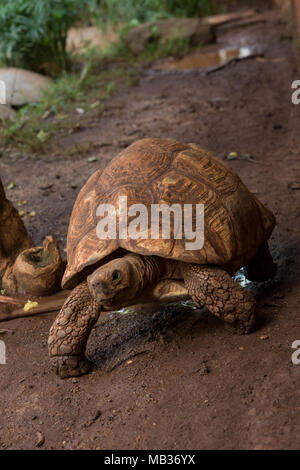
x: 29, y: 305
x: 21, y: 203
x: 42, y: 136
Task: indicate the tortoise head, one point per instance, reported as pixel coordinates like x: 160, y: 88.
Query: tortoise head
x: 117, y: 283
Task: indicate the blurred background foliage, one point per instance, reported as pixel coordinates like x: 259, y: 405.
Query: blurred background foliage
x: 33, y: 33
x: 149, y: 10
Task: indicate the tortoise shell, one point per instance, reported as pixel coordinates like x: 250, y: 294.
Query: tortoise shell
x: 156, y: 171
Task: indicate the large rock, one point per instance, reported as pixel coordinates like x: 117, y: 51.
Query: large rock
x: 6, y: 112
x: 23, y: 86
x: 80, y: 39
x: 196, y: 31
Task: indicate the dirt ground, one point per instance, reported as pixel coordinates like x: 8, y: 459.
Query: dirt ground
x: 173, y: 378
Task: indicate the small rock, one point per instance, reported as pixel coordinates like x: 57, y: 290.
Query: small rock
x: 264, y: 337
x: 23, y: 86
x: 203, y: 370
x: 6, y: 112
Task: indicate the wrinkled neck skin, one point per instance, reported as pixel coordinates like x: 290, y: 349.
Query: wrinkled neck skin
x: 146, y: 270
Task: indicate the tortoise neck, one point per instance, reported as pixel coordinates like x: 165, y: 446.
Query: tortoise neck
x: 148, y: 269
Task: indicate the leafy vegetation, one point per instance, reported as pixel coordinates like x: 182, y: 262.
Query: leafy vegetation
x: 73, y: 99
x: 34, y: 33
x: 150, y: 10
x: 189, y: 8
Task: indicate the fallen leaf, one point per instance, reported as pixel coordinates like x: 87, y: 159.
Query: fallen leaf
x: 32, y: 214
x: 232, y: 156
x: 46, y: 114
x: 40, y: 439
x: 11, y: 185
x: 30, y: 304
x: 42, y: 136
x: 93, y: 159
x: 95, y: 104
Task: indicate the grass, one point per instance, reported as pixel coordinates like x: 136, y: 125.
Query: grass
x: 116, y: 11
x: 77, y: 97
x: 155, y: 51
x: 64, y: 108
x: 80, y: 96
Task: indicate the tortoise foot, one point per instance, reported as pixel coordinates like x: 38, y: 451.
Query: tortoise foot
x: 242, y: 327
x: 70, y: 366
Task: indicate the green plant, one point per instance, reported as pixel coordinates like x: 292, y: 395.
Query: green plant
x: 117, y: 11
x: 188, y: 7
x: 34, y: 33
x: 155, y: 51
x: 37, y: 126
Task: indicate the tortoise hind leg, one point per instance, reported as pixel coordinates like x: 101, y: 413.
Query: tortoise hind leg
x: 261, y: 267
x: 213, y: 287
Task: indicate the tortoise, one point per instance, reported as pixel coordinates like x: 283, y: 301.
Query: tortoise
x: 107, y: 274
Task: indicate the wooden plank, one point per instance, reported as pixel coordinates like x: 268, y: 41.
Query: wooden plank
x: 216, y: 20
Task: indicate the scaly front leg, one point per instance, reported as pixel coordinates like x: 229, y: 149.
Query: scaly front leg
x: 70, y: 331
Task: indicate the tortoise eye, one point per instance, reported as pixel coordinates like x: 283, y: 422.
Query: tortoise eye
x: 116, y: 275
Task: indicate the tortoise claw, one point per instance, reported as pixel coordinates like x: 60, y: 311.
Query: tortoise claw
x: 70, y: 366
x: 242, y: 327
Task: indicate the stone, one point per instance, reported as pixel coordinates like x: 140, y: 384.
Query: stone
x: 23, y: 86
x: 6, y: 112
x: 80, y: 39
x: 196, y: 31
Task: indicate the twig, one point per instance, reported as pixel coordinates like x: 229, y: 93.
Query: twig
x: 234, y: 59
x: 48, y: 304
